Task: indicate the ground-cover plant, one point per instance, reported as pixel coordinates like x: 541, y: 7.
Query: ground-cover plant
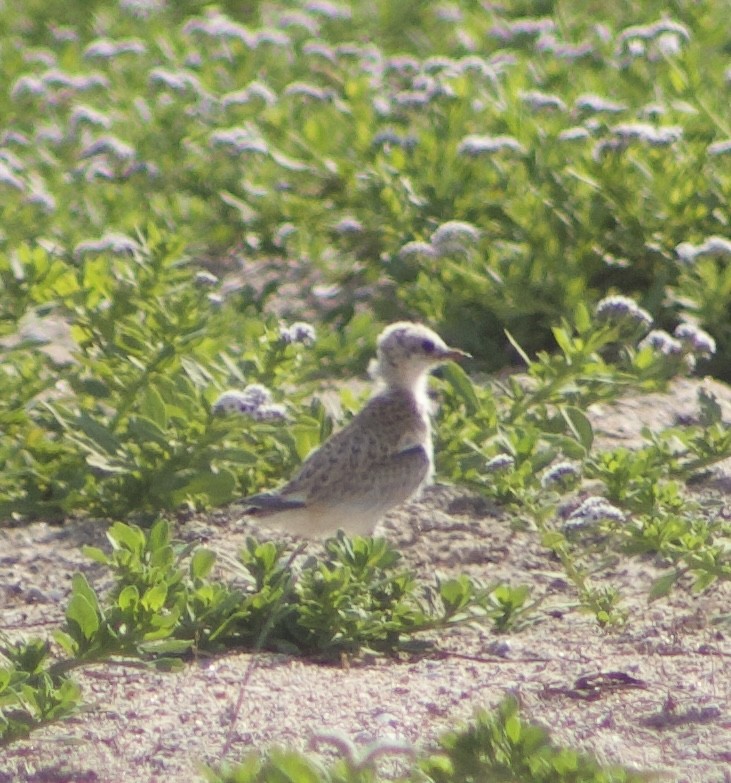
x: 529, y: 443
x: 498, y: 745
x: 128, y: 420
x: 165, y: 603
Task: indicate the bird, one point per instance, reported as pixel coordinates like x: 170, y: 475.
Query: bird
x: 380, y: 459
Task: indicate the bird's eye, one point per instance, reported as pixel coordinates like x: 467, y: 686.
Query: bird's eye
x: 427, y: 346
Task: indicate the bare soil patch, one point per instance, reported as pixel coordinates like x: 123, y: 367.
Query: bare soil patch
x: 655, y: 694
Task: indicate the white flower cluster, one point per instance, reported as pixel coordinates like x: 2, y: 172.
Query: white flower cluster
x: 722, y: 147
x: 118, y: 244
x: 621, y: 309
x: 695, y: 340
x: 597, y: 104
x: 475, y: 145
x: 688, y: 344
x: 298, y: 332
x: 255, y: 401
x: 106, y: 48
x: 562, y: 475
x: 627, y: 133
x: 541, y: 101
x: 454, y: 236
x: 241, y: 139
x: 713, y: 247
x: 593, y: 510
x: 664, y: 37
x: 661, y: 342
x: 500, y: 463
x: 348, y: 225
x: 255, y: 90
x: 207, y: 279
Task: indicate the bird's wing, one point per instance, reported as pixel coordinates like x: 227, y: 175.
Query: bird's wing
x: 378, y: 460
x: 386, y: 482
x: 271, y: 503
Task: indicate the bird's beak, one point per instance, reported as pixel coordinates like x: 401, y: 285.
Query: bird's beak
x: 455, y: 355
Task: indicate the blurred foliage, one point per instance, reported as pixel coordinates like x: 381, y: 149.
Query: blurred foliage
x: 582, y: 144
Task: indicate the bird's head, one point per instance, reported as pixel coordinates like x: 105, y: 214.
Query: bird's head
x: 407, y: 351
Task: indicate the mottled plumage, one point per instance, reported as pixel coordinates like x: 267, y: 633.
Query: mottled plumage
x: 380, y: 459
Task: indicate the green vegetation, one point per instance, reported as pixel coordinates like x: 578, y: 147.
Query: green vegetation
x: 165, y: 604
x: 498, y: 746
x: 506, y: 174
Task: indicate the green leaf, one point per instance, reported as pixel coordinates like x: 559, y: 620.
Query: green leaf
x: 128, y: 537
x: 82, y: 612
x: 144, y: 430
x: 96, y: 554
x: 513, y: 728
x: 523, y: 355
x: 579, y: 425
x: 154, y: 598
x: 81, y: 586
x: 201, y: 563
x: 159, y: 536
x: 152, y: 407
x: 66, y: 642
x: 128, y: 598
x: 582, y: 318
x: 662, y: 586
x: 563, y: 339
x: 99, y: 434
x: 218, y: 487
x: 462, y: 385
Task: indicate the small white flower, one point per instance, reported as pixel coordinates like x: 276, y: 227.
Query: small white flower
x: 454, y: 235
x: 475, y: 145
x: 695, y: 340
x: 655, y: 30
x: 656, y: 136
x: 622, y: 309
x: 105, y: 48
x: 86, y: 115
x: 575, y: 133
x: 328, y: 9
x: 109, y: 145
x: 246, y: 402
x: 204, y: 278
x: 243, y: 139
x: 661, y: 342
x: 597, y: 104
x: 271, y: 412
x: 348, y: 225
x: 255, y: 90
x: 298, y: 332
x: 311, y: 91
x: 564, y: 51
x: 8, y: 177
x: 593, y: 510
x: 719, y: 147
x: 403, y: 64
x: 500, y: 463
x: 179, y: 81
x: 417, y: 249
x: 389, y: 137
x: 538, y: 100
x: 562, y: 475
x: 118, y: 244
x: 218, y: 25
x: 713, y: 247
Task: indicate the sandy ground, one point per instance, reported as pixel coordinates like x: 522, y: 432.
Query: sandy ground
x: 672, y: 717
